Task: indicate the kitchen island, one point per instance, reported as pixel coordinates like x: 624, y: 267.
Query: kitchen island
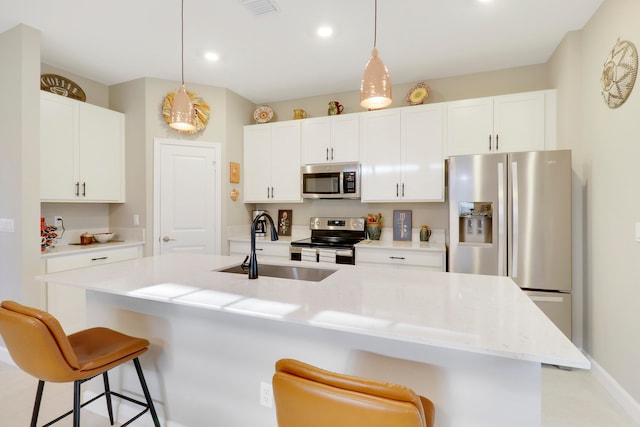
x: 473, y: 344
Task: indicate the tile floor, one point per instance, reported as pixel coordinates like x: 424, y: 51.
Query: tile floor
x: 569, y: 399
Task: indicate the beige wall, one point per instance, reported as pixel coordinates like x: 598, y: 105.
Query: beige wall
x: 20, y: 165
x: 141, y: 100
x: 522, y: 79
x: 606, y: 149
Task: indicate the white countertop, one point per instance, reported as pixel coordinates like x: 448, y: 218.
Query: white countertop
x: 481, y: 314
x: 68, y: 249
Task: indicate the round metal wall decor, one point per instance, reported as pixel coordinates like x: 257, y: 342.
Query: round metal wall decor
x: 201, y: 107
x: 619, y: 73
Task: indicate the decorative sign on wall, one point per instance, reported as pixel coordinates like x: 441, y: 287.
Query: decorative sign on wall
x: 401, y: 225
x: 619, y: 73
x: 201, y: 107
x: 285, y: 219
x: 62, y: 86
x: 234, y: 172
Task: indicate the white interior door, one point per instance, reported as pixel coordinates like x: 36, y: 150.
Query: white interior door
x: 187, y: 197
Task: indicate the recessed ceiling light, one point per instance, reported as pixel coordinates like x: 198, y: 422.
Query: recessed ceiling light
x: 212, y: 56
x: 325, y: 31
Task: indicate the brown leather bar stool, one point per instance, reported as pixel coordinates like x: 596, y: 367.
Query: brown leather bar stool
x: 312, y: 397
x: 38, y: 345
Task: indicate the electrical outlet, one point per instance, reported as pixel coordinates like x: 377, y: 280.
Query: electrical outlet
x: 57, y: 221
x: 266, y: 394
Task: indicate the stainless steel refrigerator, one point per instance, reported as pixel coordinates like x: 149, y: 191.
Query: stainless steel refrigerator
x: 510, y: 215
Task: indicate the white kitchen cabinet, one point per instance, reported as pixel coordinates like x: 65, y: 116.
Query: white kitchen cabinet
x: 264, y: 248
x: 398, y: 258
x: 67, y: 303
x: 402, y: 154
x: 508, y: 123
x: 331, y: 139
x: 81, y: 151
x: 272, y: 162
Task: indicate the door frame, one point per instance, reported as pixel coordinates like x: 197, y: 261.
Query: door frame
x: 157, y: 144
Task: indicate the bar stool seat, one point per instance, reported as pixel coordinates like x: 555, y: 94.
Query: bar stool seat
x: 38, y: 345
x: 308, y: 396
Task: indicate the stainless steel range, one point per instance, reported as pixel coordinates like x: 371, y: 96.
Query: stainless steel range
x: 332, y: 240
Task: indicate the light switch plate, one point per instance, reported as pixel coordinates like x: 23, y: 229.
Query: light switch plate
x: 637, y: 231
x: 6, y: 225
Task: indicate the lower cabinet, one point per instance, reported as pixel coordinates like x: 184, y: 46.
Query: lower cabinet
x: 263, y: 248
x: 398, y: 258
x: 67, y: 303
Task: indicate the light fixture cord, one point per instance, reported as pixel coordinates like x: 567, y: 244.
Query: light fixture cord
x: 182, y: 38
x: 375, y: 23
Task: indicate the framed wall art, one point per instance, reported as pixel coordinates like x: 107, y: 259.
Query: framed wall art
x: 285, y: 220
x: 401, y: 225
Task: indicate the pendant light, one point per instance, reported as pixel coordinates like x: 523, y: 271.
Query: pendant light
x: 375, y: 89
x: 183, y: 115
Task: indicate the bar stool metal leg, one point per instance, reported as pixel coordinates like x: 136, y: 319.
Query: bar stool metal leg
x: 76, y: 403
x: 107, y: 395
x: 147, y: 395
x: 36, y: 404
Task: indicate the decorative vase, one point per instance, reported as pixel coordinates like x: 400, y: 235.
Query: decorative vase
x: 425, y: 233
x: 374, y: 229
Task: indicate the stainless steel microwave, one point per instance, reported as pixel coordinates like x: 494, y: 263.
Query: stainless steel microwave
x: 331, y: 181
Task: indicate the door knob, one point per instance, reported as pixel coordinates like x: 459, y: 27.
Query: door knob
x: 167, y: 239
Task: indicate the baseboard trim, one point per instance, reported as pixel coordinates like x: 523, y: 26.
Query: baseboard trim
x: 615, y: 389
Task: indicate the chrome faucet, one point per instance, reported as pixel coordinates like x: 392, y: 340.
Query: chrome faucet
x: 253, y: 260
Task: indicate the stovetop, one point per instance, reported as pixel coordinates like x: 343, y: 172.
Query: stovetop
x: 334, y: 232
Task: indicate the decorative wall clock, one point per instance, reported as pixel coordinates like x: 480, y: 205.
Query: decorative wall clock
x: 619, y: 73
x: 62, y: 86
x: 201, y: 107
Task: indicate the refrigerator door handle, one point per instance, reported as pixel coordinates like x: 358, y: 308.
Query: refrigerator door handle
x: 502, y: 235
x: 514, y: 190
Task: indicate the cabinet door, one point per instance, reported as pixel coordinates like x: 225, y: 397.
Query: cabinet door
x: 422, y: 153
x: 101, y: 154
x: 285, y: 162
x: 316, y: 140
x: 519, y: 122
x: 345, y: 138
x: 58, y: 147
x: 470, y: 126
x: 380, y: 155
x: 256, y: 173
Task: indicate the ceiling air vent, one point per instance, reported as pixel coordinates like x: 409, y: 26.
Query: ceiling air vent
x: 260, y: 7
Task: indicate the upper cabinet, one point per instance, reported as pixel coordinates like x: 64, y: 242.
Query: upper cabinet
x: 402, y: 154
x: 272, y: 162
x: 517, y: 122
x: 81, y: 151
x: 331, y: 139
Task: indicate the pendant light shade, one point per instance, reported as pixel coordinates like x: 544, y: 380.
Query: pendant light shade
x: 183, y: 115
x: 375, y: 89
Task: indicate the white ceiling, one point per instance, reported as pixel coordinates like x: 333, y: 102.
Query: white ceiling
x: 277, y: 56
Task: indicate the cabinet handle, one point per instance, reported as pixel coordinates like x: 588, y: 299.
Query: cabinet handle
x: 332, y: 153
x: 497, y: 141
x: 403, y: 189
x: 327, y: 154
x: 99, y: 258
x: 272, y: 192
x: 84, y: 189
x: 396, y: 257
x: 259, y: 249
x: 489, y: 142
x: 397, y: 190
x: 77, y: 189
x: 267, y: 192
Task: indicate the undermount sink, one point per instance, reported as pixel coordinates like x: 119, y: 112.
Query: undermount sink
x: 285, y: 272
